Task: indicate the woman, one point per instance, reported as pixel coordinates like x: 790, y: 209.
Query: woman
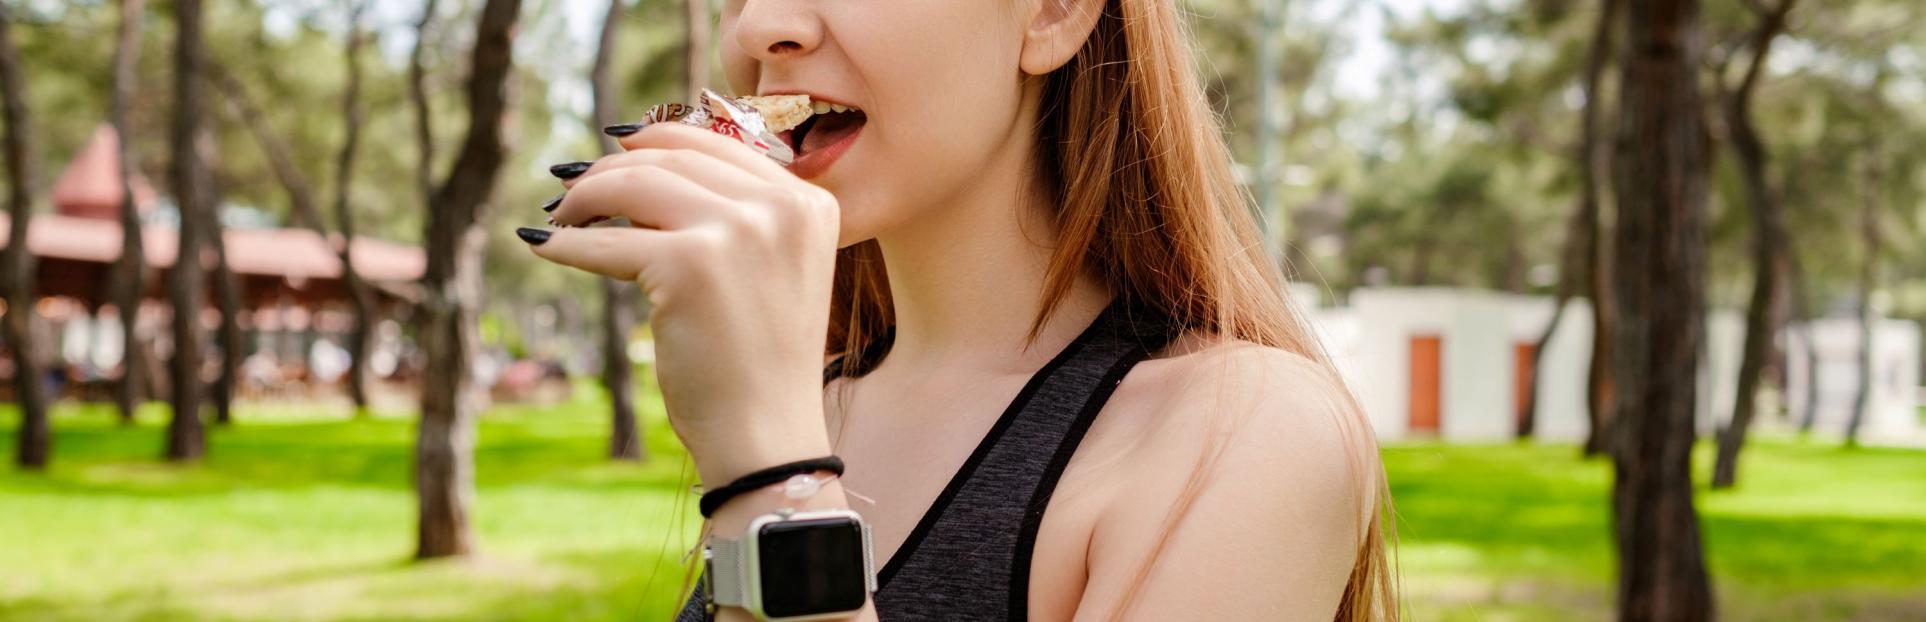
x: 1041, y: 290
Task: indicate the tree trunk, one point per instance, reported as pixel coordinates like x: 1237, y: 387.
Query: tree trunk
x: 1659, y: 245
x: 1421, y: 260
x: 1770, y: 246
x: 1868, y: 283
x: 131, y: 269
x: 1601, y: 391
x: 186, y: 289
x: 625, y: 438
x: 227, y: 294
x: 1570, y: 266
x: 16, y: 265
x: 696, y: 47
x: 360, y: 334
x: 444, y: 448
x: 418, y: 96
x: 1802, y: 308
x: 1514, y: 269
x: 1596, y: 159
x: 1582, y: 261
x: 618, y: 373
x: 451, y: 291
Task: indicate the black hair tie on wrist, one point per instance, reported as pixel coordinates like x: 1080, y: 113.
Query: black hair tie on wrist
x: 712, y: 500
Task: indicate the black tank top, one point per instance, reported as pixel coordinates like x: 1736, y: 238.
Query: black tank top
x: 969, y: 557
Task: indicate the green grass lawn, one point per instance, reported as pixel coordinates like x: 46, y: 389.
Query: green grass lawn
x: 314, y: 520
x: 295, y: 517
x: 1813, y: 532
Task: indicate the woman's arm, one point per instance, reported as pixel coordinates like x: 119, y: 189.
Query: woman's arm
x: 1274, y: 524
x: 733, y: 518
x: 737, y: 257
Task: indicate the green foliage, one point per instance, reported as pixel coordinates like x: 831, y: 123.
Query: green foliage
x: 1485, y: 85
x: 1834, y: 102
x: 1488, y: 159
x: 1844, y: 90
x: 61, y: 51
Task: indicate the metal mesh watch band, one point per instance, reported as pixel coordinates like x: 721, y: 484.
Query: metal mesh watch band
x: 724, y: 556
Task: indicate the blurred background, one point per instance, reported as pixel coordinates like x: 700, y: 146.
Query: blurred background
x: 366, y: 401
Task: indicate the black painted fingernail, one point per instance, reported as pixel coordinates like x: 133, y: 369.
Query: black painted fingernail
x: 533, y: 236
x: 552, y: 203
x: 624, y: 129
x: 571, y: 170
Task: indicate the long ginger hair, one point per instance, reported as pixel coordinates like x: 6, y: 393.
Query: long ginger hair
x: 1144, y: 201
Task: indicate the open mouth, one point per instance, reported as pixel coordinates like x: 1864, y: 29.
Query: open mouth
x: 829, y: 124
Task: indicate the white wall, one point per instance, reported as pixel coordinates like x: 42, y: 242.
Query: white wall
x: 1565, y: 367
x: 1479, y: 370
x: 1719, y: 368
x: 1370, y: 342
x: 1892, y: 414
x: 1475, y: 361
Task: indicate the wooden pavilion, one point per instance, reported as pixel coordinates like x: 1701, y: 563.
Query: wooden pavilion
x: 290, y: 278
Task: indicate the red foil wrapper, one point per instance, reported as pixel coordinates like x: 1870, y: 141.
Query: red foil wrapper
x: 726, y: 116
x: 717, y: 113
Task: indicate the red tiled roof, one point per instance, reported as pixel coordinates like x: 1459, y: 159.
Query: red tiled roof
x: 293, y: 253
x: 90, y: 185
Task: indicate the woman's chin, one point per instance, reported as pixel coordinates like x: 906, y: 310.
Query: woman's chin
x: 855, y: 231
x: 856, y: 202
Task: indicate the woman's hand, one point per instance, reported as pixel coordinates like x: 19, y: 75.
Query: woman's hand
x: 736, y: 254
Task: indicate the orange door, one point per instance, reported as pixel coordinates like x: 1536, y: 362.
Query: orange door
x: 1425, y: 385
x: 1523, y: 356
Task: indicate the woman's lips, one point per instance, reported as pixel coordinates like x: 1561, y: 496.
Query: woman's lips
x: 821, y: 147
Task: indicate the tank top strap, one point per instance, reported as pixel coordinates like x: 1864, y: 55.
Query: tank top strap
x: 968, y: 558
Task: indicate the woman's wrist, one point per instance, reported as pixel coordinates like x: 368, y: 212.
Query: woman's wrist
x: 733, y: 517
x: 723, y: 454
x: 798, y: 479
x: 732, y: 520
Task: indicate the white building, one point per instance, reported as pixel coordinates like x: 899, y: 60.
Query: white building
x: 1428, y: 362
x: 1455, y: 364
x: 1892, y: 414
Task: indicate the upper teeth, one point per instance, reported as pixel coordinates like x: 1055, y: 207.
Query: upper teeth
x: 823, y: 107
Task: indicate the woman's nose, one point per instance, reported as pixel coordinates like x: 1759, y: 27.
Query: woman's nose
x: 769, y: 30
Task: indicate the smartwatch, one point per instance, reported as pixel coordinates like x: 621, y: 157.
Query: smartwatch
x: 794, y: 566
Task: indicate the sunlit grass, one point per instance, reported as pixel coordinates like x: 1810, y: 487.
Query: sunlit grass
x: 295, y: 515
x: 1813, y: 532
x: 311, y: 519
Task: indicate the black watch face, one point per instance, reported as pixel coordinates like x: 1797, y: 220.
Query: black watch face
x: 811, y: 566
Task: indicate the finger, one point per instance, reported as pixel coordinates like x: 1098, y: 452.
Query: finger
x: 683, y: 136
x: 649, y: 196
x: 708, y: 170
x: 614, y: 252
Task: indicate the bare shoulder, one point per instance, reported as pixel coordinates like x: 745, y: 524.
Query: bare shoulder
x: 1282, y: 404
x: 1260, y: 472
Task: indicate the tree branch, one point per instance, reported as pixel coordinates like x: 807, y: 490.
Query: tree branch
x: 301, y: 201
x: 418, y: 91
